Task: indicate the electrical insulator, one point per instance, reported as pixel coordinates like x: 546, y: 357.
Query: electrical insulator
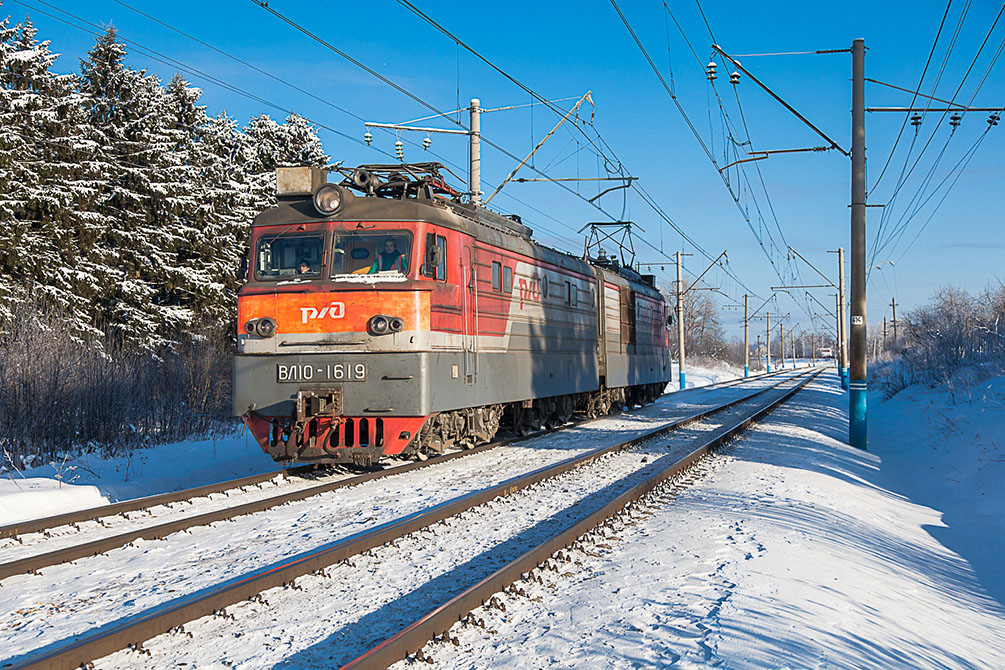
x: 993, y: 119
x: 710, y: 70
x: 399, y: 150
x: 954, y: 120
x: 734, y: 78
x: 425, y: 143
x: 916, y: 120
x: 368, y: 137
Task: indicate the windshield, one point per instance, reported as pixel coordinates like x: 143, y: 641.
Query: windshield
x: 371, y: 252
x: 288, y: 257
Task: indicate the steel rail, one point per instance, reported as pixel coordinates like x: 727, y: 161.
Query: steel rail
x: 82, y: 648
x: 31, y: 564
x: 43, y: 524
x: 413, y: 637
x: 93, y: 513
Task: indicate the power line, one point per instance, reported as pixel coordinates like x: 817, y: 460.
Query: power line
x: 914, y: 98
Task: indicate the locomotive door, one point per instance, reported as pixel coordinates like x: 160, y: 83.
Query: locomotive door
x: 470, y: 337
x: 601, y: 327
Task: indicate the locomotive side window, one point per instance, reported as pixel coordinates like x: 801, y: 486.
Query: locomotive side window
x: 544, y: 286
x: 287, y: 257
x: 571, y: 294
x: 371, y: 252
x: 496, y: 276
x: 435, y: 266
x: 508, y: 279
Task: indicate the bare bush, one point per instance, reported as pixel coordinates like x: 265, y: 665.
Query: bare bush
x: 60, y: 393
x: 955, y: 338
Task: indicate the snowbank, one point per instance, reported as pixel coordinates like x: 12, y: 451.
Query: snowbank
x: 89, y: 480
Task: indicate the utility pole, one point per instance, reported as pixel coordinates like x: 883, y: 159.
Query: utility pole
x: 792, y: 346
x: 813, y: 346
x: 475, y: 154
x: 893, y: 303
x: 746, y: 339
x: 842, y: 328
x: 758, y: 351
x: 767, y: 316
x: 884, y: 333
x: 781, y: 346
x: 857, y: 383
x: 680, y: 321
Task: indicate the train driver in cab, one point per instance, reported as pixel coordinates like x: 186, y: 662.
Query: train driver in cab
x: 389, y: 260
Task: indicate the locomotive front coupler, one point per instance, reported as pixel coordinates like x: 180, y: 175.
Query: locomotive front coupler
x: 311, y: 404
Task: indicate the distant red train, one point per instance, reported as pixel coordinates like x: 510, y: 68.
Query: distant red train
x: 403, y: 321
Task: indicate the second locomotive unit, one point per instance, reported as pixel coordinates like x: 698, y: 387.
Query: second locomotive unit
x: 382, y: 315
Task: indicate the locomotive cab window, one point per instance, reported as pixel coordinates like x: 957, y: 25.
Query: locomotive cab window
x: 371, y: 252
x: 288, y: 257
x: 508, y: 279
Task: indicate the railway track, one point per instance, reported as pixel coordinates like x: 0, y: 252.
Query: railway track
x: 177, y: 612
x: 72, y: 519
x: 35, y: 561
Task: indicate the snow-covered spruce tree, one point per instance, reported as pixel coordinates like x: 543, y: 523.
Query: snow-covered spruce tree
x: 273, y: 145
x: 49, y: 191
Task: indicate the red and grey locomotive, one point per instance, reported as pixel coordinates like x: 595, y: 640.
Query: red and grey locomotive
x: 383, y: 315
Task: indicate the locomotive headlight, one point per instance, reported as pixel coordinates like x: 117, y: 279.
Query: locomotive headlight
x: 329, y: 198
x: 395, y: 324
x: 265, y: 327
x: 249, y: 327
x: 378, y: 325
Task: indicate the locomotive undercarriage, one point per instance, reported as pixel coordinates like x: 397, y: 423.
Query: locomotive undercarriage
x: 467, y: 428
x: 317, y: 434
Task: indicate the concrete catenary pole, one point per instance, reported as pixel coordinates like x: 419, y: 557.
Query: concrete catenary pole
x: 758, y: 351
x: 781, y: 346
x: 842, y: 327
x: 813, y: 347
x: 767, y: 319
x: 893, y: 304
x: 746, y: 338
x: 475, y: 152
x: 792, y: 346
x: 857, y: 383
x: 680, y: 321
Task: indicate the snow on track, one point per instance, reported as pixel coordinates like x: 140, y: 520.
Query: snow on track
x: 68, y: 599
x: 790, y: 554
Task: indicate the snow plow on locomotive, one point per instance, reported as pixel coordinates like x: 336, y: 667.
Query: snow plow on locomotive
x: 404, y: 321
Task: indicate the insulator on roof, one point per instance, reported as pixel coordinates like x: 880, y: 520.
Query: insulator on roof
x: 425, y: 143
x: 368, y: 137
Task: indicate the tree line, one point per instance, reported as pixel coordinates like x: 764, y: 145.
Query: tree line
x: 124, y: 213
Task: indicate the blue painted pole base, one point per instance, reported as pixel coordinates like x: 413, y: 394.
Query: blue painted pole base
x: 746, y: 371
x: 767, y: 368
x: 857, y: 414
x: 682, y: 385
x: 844, y: 372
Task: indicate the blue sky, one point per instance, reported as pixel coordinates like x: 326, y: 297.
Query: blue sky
x: 563, y: 49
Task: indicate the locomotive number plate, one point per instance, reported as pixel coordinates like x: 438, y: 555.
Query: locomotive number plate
x: 329, y: 372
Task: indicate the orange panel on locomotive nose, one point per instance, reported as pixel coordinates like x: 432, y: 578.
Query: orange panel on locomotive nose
x: 335, y: 311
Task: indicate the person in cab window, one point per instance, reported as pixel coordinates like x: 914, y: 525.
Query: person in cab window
x: 304, y: 268
x: 390, y: 259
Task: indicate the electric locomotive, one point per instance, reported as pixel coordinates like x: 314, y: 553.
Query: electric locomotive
x: 383, y: 315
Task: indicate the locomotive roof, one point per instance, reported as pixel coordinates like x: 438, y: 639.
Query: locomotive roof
x: 484, y: 225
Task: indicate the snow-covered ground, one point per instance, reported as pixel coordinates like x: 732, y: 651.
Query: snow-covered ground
x: 89, y: 480
x: 792, y: 550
